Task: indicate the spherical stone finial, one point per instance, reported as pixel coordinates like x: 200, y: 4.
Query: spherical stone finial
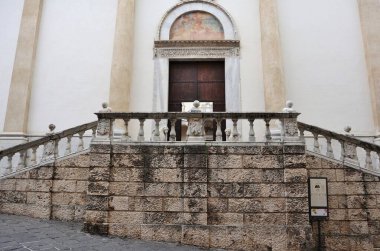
x: 347, y: 129
x: 104, y: 105
x: 196, y: 103
x: 51, y: 127
x: 289, y: 104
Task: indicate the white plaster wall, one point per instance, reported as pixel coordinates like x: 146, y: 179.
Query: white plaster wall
x: 324, y: 63
x: 73, y: 62
x: 248, y: 23
x: 10, y: 18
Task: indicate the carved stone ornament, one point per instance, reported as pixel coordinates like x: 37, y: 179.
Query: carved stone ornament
x: 195, y: 127
x: 350, y: 151
x: 199, y: 52
x: 291, y: 128
x: 48, y: 151
x: 104, y: 127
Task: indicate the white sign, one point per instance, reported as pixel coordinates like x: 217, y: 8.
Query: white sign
x: 318, y: 192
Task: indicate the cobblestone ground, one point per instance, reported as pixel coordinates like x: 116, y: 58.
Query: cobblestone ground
x: 24, y: 233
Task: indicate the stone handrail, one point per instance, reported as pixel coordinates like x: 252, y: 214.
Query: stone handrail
x: 24, y: 157
x: 196, y: 121
x: 349, y: 148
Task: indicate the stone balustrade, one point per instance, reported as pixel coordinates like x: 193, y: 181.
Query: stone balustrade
x: 45, y: 150
x: 195, y: 132
x: 351, y: 151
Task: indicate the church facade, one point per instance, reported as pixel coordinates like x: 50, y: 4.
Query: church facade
x: 62, y: 59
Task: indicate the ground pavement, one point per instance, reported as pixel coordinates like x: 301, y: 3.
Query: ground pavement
x: 24, y: 233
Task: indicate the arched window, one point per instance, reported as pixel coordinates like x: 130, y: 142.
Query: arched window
x: 196, y: 25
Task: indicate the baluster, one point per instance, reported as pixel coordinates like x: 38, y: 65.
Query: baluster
x: 329, y: 152
x: 156, y: 135
x: 235, y: 133
x: 252, y: 137
x: 219, y: 134
x: 316, y: 143
x: 21, y: 162
x: 368, y: 160
x: 378, y: 162
x: 125, y: 136
x: 8, y: 167
x: 93, y: 133
x: 33, y: 157
x: 268, y: 134
x: 342, y: 154
x: 80, y: 143
x: 172, y: 130
x: 302, y: 134
x: 56, y: 153
x: 141, y: 131
x: 68, y: 145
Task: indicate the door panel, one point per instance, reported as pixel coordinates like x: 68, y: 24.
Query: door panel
x: 203, y: 81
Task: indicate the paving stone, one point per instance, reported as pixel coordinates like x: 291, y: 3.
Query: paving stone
x: 24, y: 233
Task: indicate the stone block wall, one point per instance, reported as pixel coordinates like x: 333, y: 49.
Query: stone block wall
x: 55, y: 191
x: 246, y: 197
x: 354, y: 202
x: 235, y: 196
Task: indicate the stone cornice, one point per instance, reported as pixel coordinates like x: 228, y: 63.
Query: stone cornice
x: 196, y: 43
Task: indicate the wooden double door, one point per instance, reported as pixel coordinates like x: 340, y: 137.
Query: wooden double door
x: 203, y: 81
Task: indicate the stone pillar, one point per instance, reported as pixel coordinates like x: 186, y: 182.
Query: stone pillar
x: 370, y: 19
x: 271, y: 57
x: 17, y: 113
x: 122, y: 61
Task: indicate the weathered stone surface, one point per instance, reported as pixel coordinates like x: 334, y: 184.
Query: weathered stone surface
x: 161, y: 232
x: 195, y: 161
x: 295, y: 175
x: 126, y: 188
x: 132, y: 218
x: 245, y: 205
x: 217, y: 175
x: 64, y: 186
x: 264, y: 190
x: 244, y: 175
x: 39, y: 198
x: 294, y: 149
x: 264, y: 219
x: 63, y: 212
x: 97, y: 202
x: 96, y: 228
x: 295, y: 161
x: 33, y: 185
x: 195, y: 149
x: 195, y: 205
x: 299, y: 205
x: 296, y: 190
x: 100, y: 160
x: 13, y: 197
x: 98, y: 188
x: 99, y: 174
x: 262, y: 161
x: 42, y: 173
x: 217, y: 205
x: 82, y: 160
x: 196, y: 235
x: 7, y: 184
x: 313, y: 162
x: 230, y: 219
x: 128, y: 160
x: 96, y: 216
x: 125, y: 230
x: 68, y: 199
x: 173, y: 204
x: 273, y: 176
x: 163, y: 161
x: 197, y: 190
x: 225, y: 161
x: 118, y: 203
x: 195, y: 175
x: 65, y: 173
x: 226, y: 190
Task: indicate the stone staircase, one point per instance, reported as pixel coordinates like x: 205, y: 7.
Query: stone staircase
x: 246, y: 193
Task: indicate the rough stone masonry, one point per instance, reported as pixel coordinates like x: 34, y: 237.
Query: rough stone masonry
x: 233, y: 196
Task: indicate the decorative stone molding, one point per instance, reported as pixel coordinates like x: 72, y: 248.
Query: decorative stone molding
x: 196, y: 43
x: 198, y: 52
x: 229, y: 27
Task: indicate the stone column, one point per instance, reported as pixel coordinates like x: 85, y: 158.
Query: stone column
x: 17, y: 113
x: 122, y: 61
x: 370, y: 22
x: 274, y: 87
